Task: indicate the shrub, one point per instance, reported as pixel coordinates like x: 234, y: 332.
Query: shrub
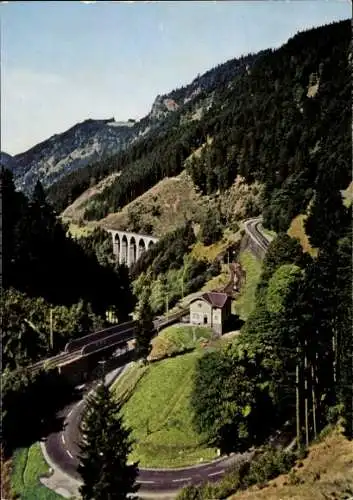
x: 190, y: 493
x: 261, y: 469
x: 266, y: 466
x: 293, y: 479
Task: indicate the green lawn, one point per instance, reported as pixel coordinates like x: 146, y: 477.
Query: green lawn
x: 159, y: 413
x: 178, y: 339
x: 246, y: 300
x: 28, y: 466
x: 125, y: 384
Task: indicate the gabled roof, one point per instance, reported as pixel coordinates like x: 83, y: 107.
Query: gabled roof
x: 215, y: 299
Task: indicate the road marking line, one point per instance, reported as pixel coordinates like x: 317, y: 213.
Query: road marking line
x: 145, y: 482
x: 63, y: 438
x: 216, y: 473
x: 70, y: 412
x: 70, y: 454
x: 182, y: 479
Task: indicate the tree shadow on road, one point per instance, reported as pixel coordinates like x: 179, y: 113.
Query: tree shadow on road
x: 33, y: 408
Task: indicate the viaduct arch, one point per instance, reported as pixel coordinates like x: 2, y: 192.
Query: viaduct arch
x: 128, y: 247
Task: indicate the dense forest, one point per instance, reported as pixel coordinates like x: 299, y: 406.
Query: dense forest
x: 280, y: 120
x: 54, y: 289
x: 46, y: 270
x: 291, y: 366
x: 163, y: 133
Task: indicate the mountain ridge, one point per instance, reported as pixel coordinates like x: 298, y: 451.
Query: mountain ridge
x: 84, y: 142
x: 93, y: 140
x: 276, y: 122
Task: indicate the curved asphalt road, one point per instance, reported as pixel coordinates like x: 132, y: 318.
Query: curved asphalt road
x: 63, y: 450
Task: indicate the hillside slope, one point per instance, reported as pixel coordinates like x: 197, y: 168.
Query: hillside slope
x: 93, y: 142
x: 81, y: 145
x: 7, y: 160
x: 325, y: 473
x: 163, y: 207
x: 75, y: 211
x: 168, y: 204
x: 156, y: 130
x: 277, y: 121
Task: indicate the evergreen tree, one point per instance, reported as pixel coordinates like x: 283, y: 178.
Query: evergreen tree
x: 211, y: 229
x: 145, y: 327
x: 344, y: 338
x: 105, y: 450
x: 14, y: 206
x: 328, y: 216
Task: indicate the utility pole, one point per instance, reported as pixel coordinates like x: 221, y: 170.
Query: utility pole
x: 306, y: 393
x: 313, y: 397
x: 297, y: 405
x: 334, y: 352
x: 51, y: 329
x: 167, y: 303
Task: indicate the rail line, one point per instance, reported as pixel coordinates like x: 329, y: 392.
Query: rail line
x: 76, y: 344
x: 100, y: 340
x: 118, y: 334
x: 252, y: 228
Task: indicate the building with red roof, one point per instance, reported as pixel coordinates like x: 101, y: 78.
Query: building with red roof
x: 211, y: 309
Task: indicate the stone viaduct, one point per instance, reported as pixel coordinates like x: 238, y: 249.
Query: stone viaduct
x: 128, y: 247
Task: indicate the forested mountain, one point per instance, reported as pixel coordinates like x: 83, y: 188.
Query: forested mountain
x: 84, y: 143
x: 157, y: 132
x: 44, y: 268
x: 6, y: 160
x: 54, y: 289
x: 94, y: 141
x: 283, y: 121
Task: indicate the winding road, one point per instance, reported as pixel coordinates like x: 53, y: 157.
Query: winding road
x: 62, y: 447
x: 63, y: 450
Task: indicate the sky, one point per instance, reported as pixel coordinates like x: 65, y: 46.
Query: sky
x: 64, y: 62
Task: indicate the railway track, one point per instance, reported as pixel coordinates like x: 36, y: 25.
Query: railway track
x: 252, y: 229
x: 77, y: 344
x: 120, y: 334
x: 99, y: 341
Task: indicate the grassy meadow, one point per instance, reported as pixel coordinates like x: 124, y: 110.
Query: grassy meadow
x: 160, y: 415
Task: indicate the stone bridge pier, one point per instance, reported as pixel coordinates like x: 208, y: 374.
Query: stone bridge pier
x: 128, y: 247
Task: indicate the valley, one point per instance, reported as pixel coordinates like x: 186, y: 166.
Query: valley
x: 215, y: 359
